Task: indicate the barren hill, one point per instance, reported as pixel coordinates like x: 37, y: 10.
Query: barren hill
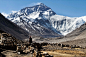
x: 79, y: 33
x: 12, y: 28
x: 78, y: 36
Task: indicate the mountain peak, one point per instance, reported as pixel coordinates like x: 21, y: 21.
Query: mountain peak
x: 41, y: 15
x: 41, y: 4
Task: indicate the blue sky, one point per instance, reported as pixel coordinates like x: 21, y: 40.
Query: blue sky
x: 71, y: 8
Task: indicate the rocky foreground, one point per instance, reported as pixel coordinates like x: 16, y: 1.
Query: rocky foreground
x: 46, y: 50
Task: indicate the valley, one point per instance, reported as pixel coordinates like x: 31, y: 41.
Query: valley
x: 52, y: 35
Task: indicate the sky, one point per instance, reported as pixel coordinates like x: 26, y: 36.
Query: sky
x: 71, y: 8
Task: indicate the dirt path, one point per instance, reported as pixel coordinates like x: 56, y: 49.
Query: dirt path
x: 65, y: 53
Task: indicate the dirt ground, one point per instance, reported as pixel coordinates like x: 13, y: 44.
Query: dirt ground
x: 55, y: 52
x: 66, y: 53
x: 11, y: 53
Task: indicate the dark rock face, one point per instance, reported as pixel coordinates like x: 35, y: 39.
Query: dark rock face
x: 12, y: 28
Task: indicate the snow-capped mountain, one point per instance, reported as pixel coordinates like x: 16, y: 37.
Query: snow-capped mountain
x: 35, y: 20
x: 40, y: 19
x: 65, y: 24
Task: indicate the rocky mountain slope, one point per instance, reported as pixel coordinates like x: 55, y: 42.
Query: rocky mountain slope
x: 42, y: 20
x: 78, y: 33
x: 77, y: 37
x: 13, y: 29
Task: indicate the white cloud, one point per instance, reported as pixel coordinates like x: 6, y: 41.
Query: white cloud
x: 32, y: 4
x: 13, y: 11
x: 37, y: 3
x: 5, y: 14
